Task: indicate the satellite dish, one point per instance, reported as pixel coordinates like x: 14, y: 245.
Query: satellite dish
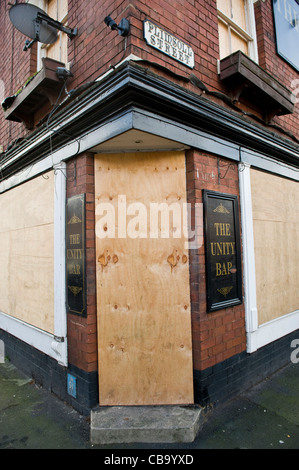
x: 24, y: 15
x: 36, y: 24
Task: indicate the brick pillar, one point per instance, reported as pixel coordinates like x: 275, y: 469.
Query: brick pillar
x: 219, y: 335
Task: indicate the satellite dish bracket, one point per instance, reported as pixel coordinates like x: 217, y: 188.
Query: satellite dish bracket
x: 40, y: 17
x: 29, y: 44
x: 37, y: 29
x: 71, y: 32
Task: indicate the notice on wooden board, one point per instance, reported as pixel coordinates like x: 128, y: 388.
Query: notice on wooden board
x: 223, y: 250
x: 75, y: 255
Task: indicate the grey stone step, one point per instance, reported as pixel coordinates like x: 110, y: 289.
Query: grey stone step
x: 148, y: 424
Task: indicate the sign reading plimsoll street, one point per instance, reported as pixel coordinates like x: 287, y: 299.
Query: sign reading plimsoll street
x: 170, y: 45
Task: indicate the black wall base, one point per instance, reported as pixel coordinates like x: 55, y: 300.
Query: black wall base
x: 47, y: 373
x: 221, y: 382
x: 212, y: 386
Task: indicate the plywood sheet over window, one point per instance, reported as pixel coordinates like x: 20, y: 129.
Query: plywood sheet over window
x: 27, y: 252
x: 275, y: 204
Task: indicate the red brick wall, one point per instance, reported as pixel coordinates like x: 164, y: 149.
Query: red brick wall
x: 96, y: 47
x: 82, y: 332
x: 193, y: 22
x: 221, y: 334
x: 91, y: 53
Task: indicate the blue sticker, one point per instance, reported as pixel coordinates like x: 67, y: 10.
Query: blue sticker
x: 72, y: 385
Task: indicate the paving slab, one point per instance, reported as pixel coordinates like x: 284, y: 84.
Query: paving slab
x: 264, y: 417
x: 33, y: 418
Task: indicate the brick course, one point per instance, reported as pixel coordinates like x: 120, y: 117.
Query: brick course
x: 82, y: 332
x: 96, y: 48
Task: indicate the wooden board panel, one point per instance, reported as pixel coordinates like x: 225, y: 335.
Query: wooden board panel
x: 27, y: 252
x: 275, y: 205
x: 144, y: 320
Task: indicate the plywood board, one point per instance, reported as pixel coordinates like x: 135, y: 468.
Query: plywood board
x: 27, y: 252
x: 275, y: 205
x: 144, y: 320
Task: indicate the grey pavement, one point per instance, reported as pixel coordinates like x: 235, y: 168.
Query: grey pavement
x: 264, y: 417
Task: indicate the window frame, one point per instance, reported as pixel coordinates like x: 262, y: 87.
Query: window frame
x: 248, y: 35
x: 42, y: 48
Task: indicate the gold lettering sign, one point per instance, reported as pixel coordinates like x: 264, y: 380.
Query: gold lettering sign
x: 222, y: 245
x: 75, y: 255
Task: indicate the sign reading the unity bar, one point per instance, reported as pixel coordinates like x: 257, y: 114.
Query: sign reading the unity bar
x: 223, y: 255
x: 75, y: 255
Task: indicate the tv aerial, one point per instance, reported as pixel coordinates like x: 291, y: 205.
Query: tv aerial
x: 37, y: 25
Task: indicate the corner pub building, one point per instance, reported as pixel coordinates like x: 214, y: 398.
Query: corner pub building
x: 149, y: 197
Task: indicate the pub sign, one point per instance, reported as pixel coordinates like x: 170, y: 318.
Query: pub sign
x: 286, y: 20
x: 223, y: 250
x: 75, y: 255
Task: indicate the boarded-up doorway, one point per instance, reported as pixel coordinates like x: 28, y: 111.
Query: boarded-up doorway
x: 143, y: 293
